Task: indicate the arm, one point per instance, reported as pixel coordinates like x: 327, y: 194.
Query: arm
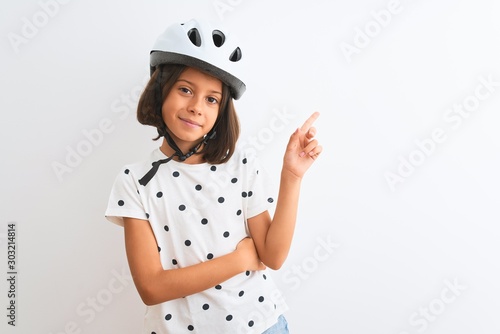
x: 156, y: 285
x: 273, y: 237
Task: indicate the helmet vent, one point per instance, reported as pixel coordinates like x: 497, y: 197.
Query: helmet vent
x: 236, y: 55
x: 218, y: 37
x: 194, y: 36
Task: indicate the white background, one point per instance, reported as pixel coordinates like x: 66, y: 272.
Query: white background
x: 394, y: 251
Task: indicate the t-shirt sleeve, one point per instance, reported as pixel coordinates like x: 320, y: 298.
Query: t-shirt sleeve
x: 124, y: 200
x: 261, y: 193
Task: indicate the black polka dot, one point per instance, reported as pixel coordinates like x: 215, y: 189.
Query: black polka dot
x: 190, y: 328
x: 250, y: 193
x: 241, y: 293
x: 244, y: 194
x: 175, y: 174
x: 213, y: 168
x: 244, y: 160
x: 197, y: 187
x: 153, y: 332
x: 270, y: 200
x: 206, y: 306
x: 121, y: 203
x: 174, y: 262
x: 204, y: 221
x: 264, y: 276
x: 166, y: 228
x: 250, y: 323
x: 218, y: 286
x: 247, y: 273
x: 127, y: 171
x: 159, y: 249
x: 238, y: 212
x: 147, y: 215
x: 159, y: 194
x: 182, y: 207
x: 226, y: 234
x: 229, y: 317
x: 234, y: 180
x: 261, y: 299
x: 221, y: 200
x: 168, y: 317
x: 210, y: 256
x: 187, y: 242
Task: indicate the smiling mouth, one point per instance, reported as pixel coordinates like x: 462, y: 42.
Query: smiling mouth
x: 189, y: 122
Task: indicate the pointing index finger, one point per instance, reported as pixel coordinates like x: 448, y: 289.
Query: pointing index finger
x: 307, y: 124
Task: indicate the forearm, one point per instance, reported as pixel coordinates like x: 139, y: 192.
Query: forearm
x: 279, y: 236
x: 164, y: 285
x: 156, y: 285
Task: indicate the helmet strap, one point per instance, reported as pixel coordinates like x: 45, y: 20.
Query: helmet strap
x: 193, y: 150
x: 155, y: 165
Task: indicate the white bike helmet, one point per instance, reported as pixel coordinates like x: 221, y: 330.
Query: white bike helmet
x: 203, y: 45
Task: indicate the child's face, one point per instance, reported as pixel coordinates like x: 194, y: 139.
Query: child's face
x: 191, y: 107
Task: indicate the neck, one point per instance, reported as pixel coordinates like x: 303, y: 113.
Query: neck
x: 169, y: 151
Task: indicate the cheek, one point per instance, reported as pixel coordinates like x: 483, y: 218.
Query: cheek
x: 214, y: 116
x: 166, y: 110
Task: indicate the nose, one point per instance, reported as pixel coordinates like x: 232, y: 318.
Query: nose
x: 195, y: 105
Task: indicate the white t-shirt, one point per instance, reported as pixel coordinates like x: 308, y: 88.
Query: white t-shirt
x: 199, y: 212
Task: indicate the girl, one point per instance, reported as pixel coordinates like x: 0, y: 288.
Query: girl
x: 198, y: 233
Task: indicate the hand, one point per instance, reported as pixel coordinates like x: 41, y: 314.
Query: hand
x: 249, y: 257
x: 302, y: 148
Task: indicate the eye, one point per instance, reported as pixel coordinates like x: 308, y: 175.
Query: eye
x: 185, y: 90
x: 212, y: 100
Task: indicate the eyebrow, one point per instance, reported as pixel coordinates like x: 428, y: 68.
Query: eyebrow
x: 193, y: 84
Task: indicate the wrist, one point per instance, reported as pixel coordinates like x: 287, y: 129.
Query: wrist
x: 238, y: 259
x: 289, y: 177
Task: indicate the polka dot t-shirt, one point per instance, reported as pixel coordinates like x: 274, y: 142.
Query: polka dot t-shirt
x: 197, y: 213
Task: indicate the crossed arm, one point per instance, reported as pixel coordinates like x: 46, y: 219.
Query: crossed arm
x: 156, y: 285
x: 269, y: 245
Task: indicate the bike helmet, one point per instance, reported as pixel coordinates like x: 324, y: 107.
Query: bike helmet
x: 203, y: 45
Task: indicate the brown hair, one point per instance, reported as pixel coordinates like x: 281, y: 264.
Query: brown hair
x: 217, y: 150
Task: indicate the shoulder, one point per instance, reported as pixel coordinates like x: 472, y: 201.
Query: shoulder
x: 245, y: 163
x: 245, y: 157
x: 144, y: 164
x: 135, y: 170
x: 240, y: 160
